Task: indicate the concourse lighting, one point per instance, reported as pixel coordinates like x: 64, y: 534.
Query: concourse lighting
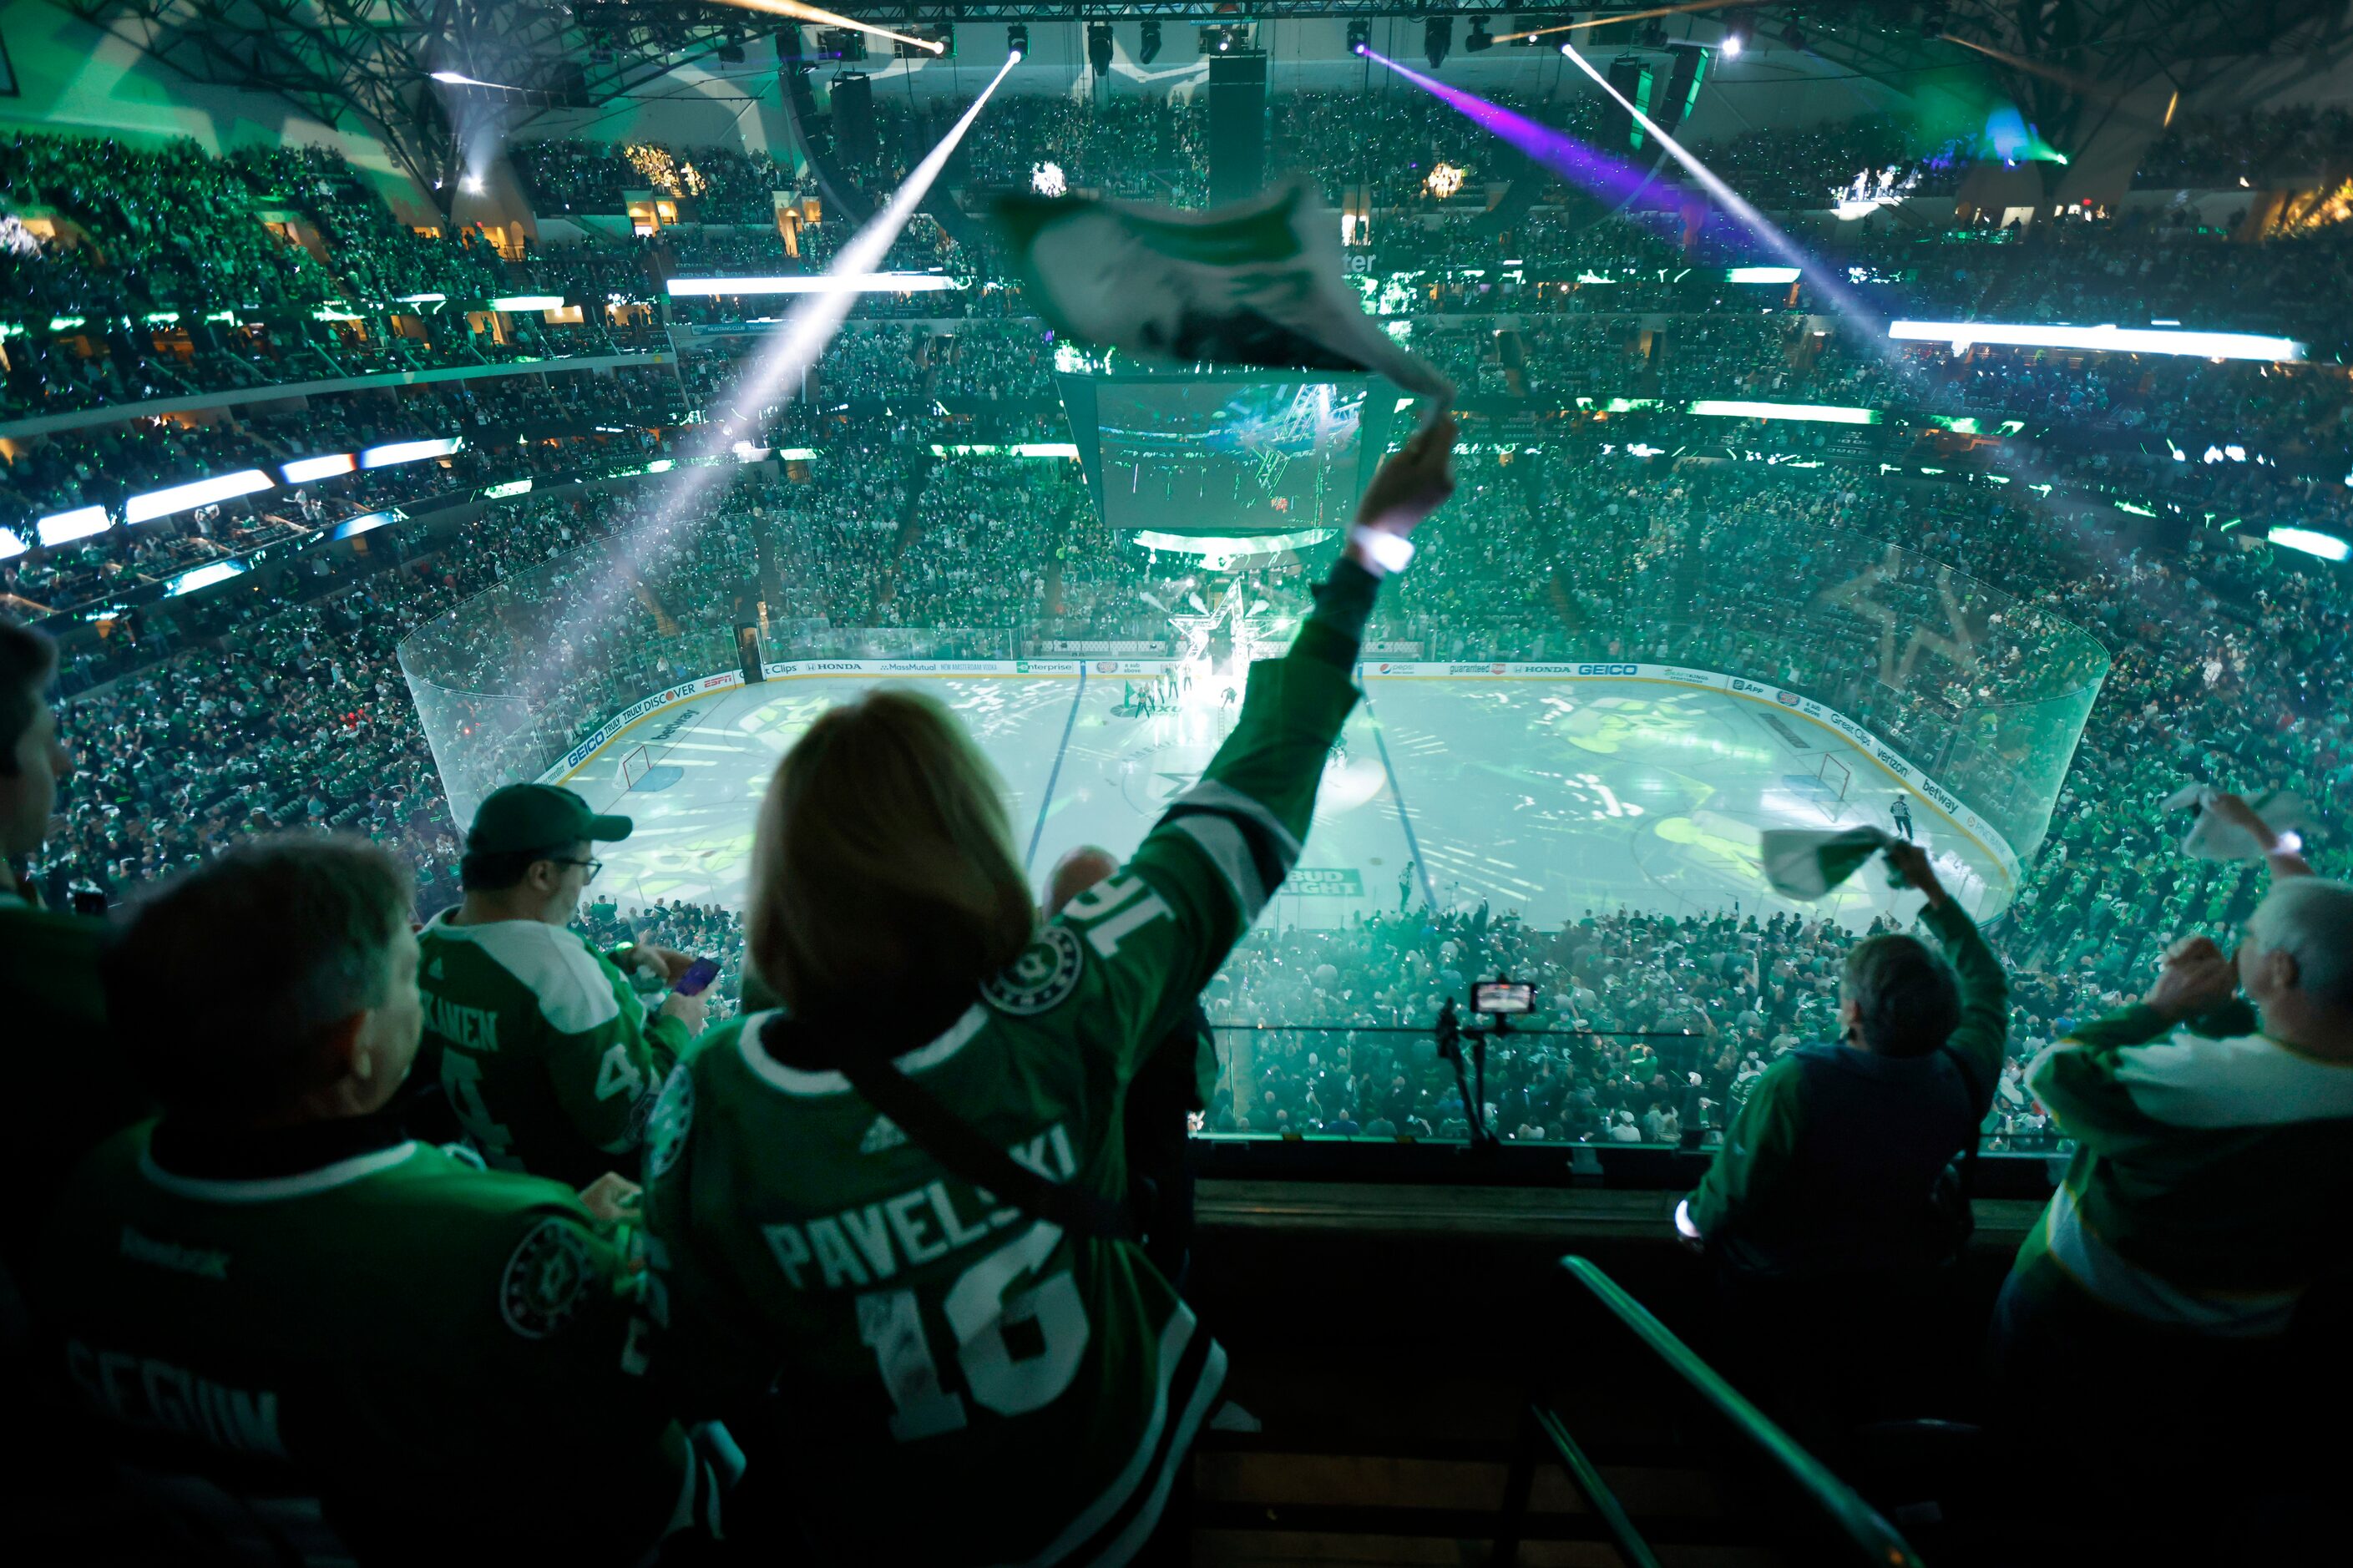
x: 528, y: 302
x: 2327, y: 546
x: 813, y: 283
x: 303, y: 470
x: 351, y: 527
x: 427, y: 299
x: 58, y: 528
x: 1819, y: 413
x: 2099, y: 340
x: 205, y: 577
x: 394, y: 453
x: 200, y: 493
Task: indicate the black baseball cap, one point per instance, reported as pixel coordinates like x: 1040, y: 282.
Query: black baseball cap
x: 538, y: 817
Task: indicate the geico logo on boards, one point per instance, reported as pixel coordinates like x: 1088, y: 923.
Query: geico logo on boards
x: 1609, y: 670
x: 1787, y: 699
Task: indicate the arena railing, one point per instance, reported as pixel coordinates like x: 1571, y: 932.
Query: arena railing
x: 1851, y: 1529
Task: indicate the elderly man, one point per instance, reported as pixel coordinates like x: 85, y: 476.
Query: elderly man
x: 2211, y: 1182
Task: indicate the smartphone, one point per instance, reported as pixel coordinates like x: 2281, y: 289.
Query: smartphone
x: 1509, y: 997
x: 697, y: 978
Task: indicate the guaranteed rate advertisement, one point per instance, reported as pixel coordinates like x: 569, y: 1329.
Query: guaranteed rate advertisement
x: 1227, y: 454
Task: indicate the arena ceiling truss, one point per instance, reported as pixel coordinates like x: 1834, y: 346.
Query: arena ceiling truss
x: 369, y: 65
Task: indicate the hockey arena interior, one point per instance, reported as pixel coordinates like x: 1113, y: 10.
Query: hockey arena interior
x: 1290, y: 782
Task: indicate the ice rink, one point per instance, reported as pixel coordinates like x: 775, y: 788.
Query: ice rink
x: 1552, y: 796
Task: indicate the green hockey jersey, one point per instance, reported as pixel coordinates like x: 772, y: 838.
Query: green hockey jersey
x: 2209, y: 1188
x: 546, y: 1057
x: 435, y: 1350
x: 954, y: 1380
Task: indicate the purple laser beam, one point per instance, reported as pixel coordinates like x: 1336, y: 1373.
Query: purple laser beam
x: 1609, y: 178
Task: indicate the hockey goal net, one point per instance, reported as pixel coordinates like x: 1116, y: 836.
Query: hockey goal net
x: 634, y: 764
x: 1836, y: 776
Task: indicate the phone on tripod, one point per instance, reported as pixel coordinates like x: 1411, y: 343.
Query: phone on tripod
x: 1503, y: 998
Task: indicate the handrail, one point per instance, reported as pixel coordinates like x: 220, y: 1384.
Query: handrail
x: 1874, y: 1539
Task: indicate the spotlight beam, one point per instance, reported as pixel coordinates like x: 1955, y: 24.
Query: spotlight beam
x: 794, y: 8
x: 1875, y: 336
x: 811, y: 325
x: 1563, y: 154
x: 787, y: 355
x: 1628, y: 17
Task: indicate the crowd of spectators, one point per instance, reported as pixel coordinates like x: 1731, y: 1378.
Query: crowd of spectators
x: 2218, y: 652
x: 2253, y: 148
x: 293, y: 702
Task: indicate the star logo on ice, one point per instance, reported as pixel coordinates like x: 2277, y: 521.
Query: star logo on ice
x: 1857, y: 595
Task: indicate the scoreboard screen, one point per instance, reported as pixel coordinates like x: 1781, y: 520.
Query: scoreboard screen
x: 1227, y: 454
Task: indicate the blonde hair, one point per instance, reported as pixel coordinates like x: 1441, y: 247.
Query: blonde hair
x: 883, y: 870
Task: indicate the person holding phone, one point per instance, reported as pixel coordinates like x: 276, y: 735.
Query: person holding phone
x: 542, y: 1053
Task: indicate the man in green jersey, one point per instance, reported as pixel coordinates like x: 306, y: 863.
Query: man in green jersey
x: 2210, y: 1183
x: 275, y: 1287
x: 544, y: 1054
x: 921, y: 1370
x: 48, y: 968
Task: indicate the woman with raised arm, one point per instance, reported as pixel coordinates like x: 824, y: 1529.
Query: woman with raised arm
x: 933, y: 1352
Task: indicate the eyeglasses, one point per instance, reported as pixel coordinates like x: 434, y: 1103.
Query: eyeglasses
x: 594, y: 867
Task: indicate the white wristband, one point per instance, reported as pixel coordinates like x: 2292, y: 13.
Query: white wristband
x: 1391, y: 552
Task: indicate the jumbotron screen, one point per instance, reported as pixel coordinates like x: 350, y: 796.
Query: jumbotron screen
x: 1227, y: 454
